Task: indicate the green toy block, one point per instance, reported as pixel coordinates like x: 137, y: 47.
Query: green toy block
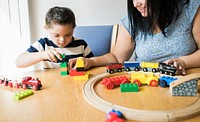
x: 62, y: 55
x: 23, y: 94
x: 64, y: 73
x: 64, y: 64
x: 129, y: 87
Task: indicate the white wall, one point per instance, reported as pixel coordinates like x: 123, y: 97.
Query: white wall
x: 87, y: 12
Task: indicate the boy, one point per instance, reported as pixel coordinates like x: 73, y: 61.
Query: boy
x: 60, y: 23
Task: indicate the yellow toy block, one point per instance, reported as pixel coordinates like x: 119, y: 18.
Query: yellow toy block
x: 82, y: 77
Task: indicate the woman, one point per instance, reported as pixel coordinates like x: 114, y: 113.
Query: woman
x: 157, y: 31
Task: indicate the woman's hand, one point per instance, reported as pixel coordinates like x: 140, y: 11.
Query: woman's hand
x: 178, y: 63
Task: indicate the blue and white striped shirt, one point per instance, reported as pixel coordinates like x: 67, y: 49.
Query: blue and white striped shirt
x: 76, y: 48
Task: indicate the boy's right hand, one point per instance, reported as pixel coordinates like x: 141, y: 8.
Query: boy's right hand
x: 52, y: 55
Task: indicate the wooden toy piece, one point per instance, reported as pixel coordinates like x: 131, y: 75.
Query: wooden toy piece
x: 167, y: 69
x: 114, y: 67
x: 185, y: 86
x: 152, y: 65
x: 129, y: 87
x: 178, y: 114
x: 128, y: 66
x: 23, y: 94
x: 142, y: 78
x: 112, y: 82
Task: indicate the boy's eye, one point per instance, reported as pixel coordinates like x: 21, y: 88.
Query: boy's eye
x: 68, y: 35
x: 55, y: 35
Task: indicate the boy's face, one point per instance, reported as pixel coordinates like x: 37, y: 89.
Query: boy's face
x: 61, y: 35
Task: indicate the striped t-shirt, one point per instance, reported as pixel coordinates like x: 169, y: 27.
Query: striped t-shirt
x: 76, y: 48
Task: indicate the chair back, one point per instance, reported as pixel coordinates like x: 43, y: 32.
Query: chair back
x: 100, y: 39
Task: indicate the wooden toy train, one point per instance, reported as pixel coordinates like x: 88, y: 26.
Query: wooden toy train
x: 145, y: 66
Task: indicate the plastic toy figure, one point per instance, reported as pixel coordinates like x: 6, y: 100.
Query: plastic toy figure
x: 112, y: 82
x: 29, y: 82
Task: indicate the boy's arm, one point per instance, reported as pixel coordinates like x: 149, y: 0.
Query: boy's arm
x: 27, y: 59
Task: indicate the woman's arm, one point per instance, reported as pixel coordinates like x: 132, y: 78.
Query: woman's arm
x: 193, y: 60
x: 121, y: 52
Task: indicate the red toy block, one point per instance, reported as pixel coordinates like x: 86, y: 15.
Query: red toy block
x: 74, y: 72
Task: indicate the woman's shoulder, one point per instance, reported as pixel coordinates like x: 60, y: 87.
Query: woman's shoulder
x: 191, y: 9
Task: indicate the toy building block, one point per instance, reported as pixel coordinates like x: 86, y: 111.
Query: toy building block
x: 74, y: 72
x: 23, y: 94
x: 185, y: 86
x: 112, y: 82
x: 81, y: 77
x: 64, y: 69
x: 129, y: 87
x: 166, y: 80
x: 79, y: 64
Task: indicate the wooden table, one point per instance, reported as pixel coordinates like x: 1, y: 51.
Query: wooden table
x: 61, y: 100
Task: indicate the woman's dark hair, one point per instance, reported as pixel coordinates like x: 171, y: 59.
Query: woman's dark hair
x: 60, y: 15
x: 160, y: 13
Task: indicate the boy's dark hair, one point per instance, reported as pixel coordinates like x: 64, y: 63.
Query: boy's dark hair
x: 160, y: 13
x: 60, y: 15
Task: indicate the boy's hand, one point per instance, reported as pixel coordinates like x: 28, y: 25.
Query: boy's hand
x: 178, y: 63
x: 52, y: 55
x: 87, y: 63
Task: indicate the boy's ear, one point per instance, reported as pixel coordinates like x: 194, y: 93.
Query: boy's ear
x: 45, y: 27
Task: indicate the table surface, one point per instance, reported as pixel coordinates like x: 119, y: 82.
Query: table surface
x: 61, y: 100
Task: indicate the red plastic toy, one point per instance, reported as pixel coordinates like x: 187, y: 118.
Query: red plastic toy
x: 114, y: 116
x: 112, y: 82
x: 29, y: 82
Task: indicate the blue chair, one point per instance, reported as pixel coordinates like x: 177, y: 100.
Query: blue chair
x: 100, y: 39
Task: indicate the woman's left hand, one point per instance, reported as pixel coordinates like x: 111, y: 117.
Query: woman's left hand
x: 178, y: 63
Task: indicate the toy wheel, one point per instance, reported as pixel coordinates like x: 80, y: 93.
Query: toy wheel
x: 109, y: 85
x: 172, y: 74
x: 10, y: 84
x: 162, y: 83
x: 119, y: 70
x: 16, y: 85
x: 24, y: 86
x: 153, y: 83
x: 145, y: 69
x: 34, y: 88
x: 125, y: 81
x: 154, y: 70
x: 127, y: 69
x: 137, y: 82
x: 136, y: 69
x: 111, y: 71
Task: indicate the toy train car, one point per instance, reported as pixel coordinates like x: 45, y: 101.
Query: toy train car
x: 154, y: 67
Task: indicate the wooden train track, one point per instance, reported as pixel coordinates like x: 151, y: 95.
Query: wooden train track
x: 134, y: 114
